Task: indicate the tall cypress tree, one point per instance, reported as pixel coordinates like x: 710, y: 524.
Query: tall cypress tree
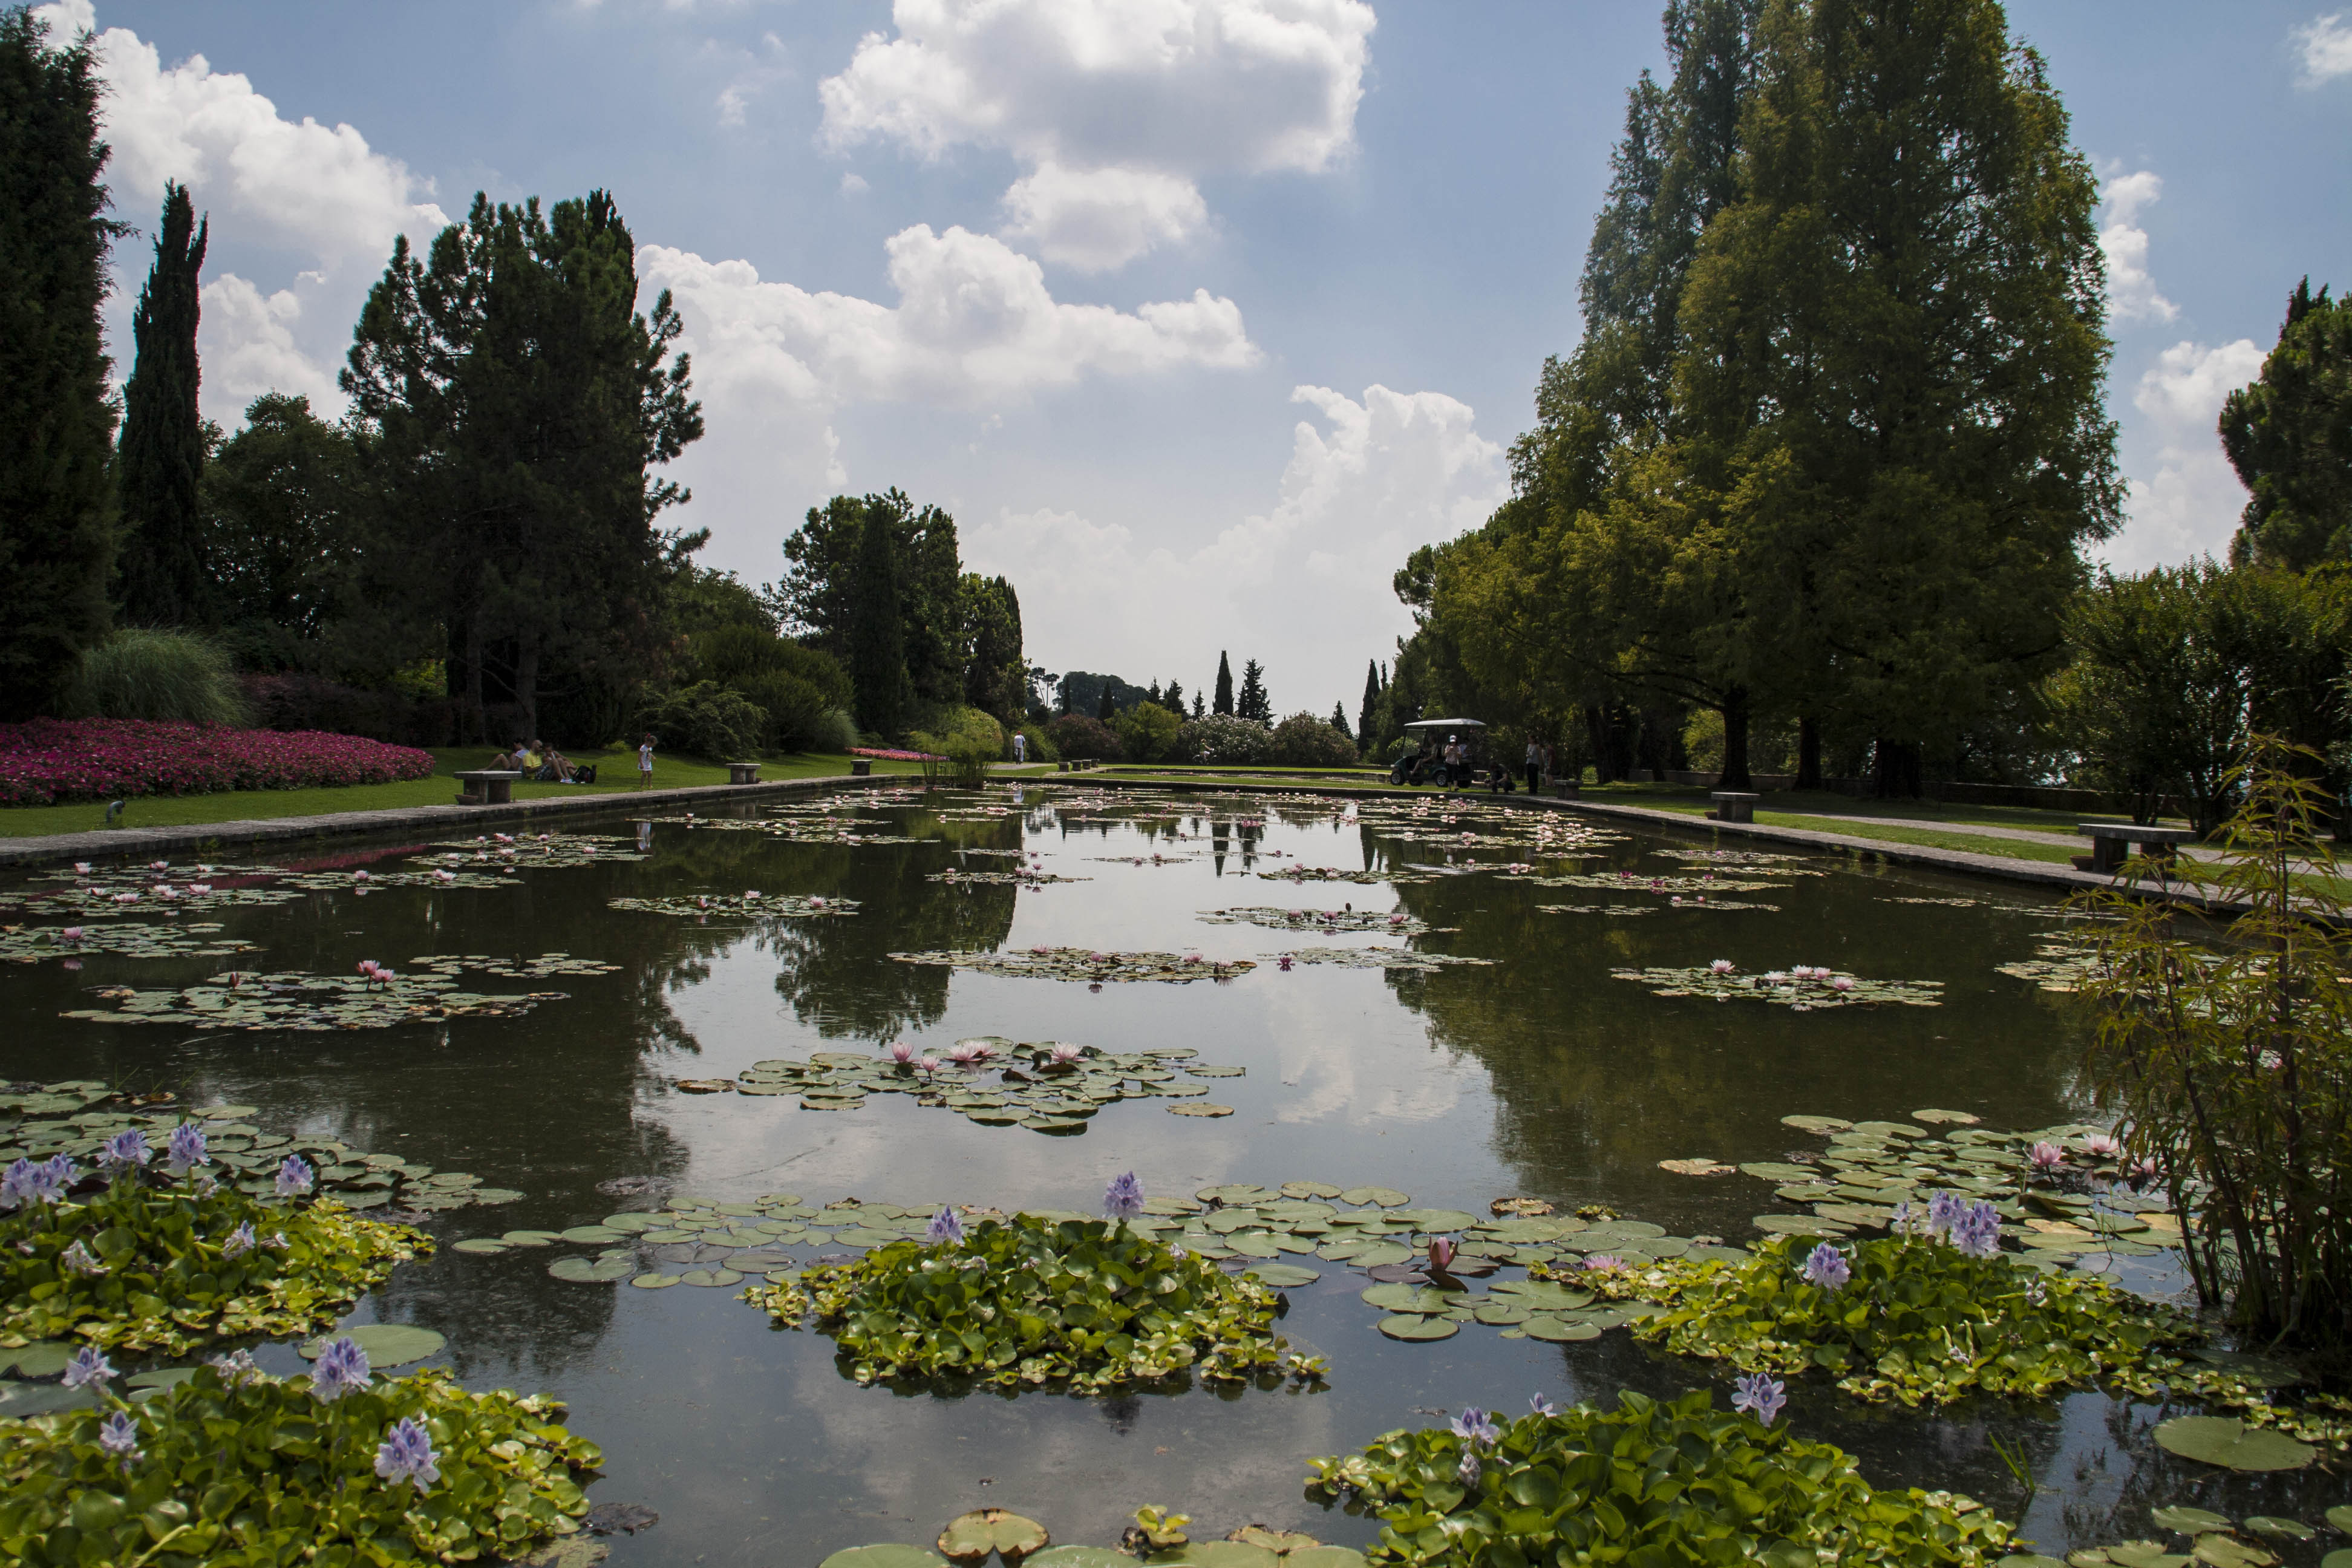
x: 57, y: 425
x: 1367, y: 716
x: 878, y: 640
x: 1224, y: 702
x: 165, y: 579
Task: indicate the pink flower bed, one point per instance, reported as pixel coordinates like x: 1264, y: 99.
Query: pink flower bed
x: 52, y: 760
x: 894, y: 756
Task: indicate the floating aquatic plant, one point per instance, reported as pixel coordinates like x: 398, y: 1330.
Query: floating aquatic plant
x: 1393, y: 958
x: 739, y: 906
x: 373, y: 998
x: 1092, y: 966
x: 1803, y: 987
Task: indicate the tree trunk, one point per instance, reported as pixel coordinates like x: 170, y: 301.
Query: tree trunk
x: 526, y: 685
x: 1808, y: 752
x: 476, y: 720
x: 1735, y: 742
x: 1897, y: 768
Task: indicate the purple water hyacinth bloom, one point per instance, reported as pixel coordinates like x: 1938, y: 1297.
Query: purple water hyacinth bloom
x: 89, y: 1365
x: 1470, y: 1469
x: 187, y: 1150
x: 1944, y: 1211
x: 1475, y: 1425
x: 341, y: 1368
x: 1760, y: 1394
x: 946, y: 1226
x: 79, y: 1259
x: 1826, y: 1267
x: 126, y: 1151
x: 238, y: 1367
x: 240, y: 1241
x: 1539, y: 1406
x: 1977, y: 1231
x: 119, y: 1435
x: 294, y: 1176
x: 1899, y: 1223
x: 406, y: 1454
x: 17, y: 1184
x: 1124, y: 1197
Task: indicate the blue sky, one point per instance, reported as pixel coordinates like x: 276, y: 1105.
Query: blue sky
x: 1199, y: 314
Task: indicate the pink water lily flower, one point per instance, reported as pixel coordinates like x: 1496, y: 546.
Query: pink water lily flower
x: 200, y: 887
x: 1842, y: 983
x: 359, y: 876
x: 81, y: 868
x: 445, y: 876
x: 159, y: 865
x: 902, y: 1053
x: 2046, y: 1157
x: 1720, y: 966
x: 2102, y: 1145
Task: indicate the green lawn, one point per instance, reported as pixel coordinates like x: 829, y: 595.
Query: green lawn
x: 616, y: 773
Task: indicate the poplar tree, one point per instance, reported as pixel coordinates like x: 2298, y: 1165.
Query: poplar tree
x: 877, y: 646
x: 57, y: 422
x: 166, y: 581
x: 1223, y: 703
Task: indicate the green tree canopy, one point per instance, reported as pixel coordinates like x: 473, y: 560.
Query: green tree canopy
x: 877, y: 633
x: 1253, y: 703
x: 278, y: 500
x: 57, y: 421
x: 1223, y: 703
x: 2289, y: 435
x: 166, y: 581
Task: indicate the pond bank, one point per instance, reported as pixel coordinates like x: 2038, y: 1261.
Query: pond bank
x: 184, y: 838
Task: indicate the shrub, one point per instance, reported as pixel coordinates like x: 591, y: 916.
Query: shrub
x: 705, y: 719
x: 835, y: 733
x: 1148, y: 731
x: 143, y: 674
x: 50, y: 761
x: 1222, y: 738
x: 1304, y: 740
x: 969, y: 739
x: 795, y: 712
x: 1075, y: 736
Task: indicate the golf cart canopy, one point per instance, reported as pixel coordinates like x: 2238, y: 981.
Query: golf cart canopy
x: 1445, y: 724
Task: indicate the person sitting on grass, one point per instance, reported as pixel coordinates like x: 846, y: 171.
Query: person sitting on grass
x: 508, y: 762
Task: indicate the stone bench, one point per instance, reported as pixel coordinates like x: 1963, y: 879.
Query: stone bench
x: 861, y: 767
x: 2108, y: 840
x: 742, y: 773
x: 487, y: 786
x: 1564, y: 789
x: 1732, y: 805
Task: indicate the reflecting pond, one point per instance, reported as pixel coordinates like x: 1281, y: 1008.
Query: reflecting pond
x: 1541, y: 1071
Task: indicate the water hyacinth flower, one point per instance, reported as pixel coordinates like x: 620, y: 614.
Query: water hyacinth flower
x: 1538, y: 1404
x: 187, y: 1150
x: 51, y: 1177
x: 119, y: 1436
x: 1470, y: 1471
x: 406, y: 1454
x: 1475, y: 1425
x: 238, y: 1367
x: 1761, y: 1394
x: 1943, y: 1213
x: 79, y: 1259
x: 946, y: 1228
x: 89, y: 1365
x: 17, y: 1183
x: 1977, y: 1233
x: 240, y: 1241
x: 2047, y: 1158
x: 294, y: 1176
x: 126, y: 1151
x: 341, y: 1368
x: 1123, y: 1199
x: 1826, y: 1268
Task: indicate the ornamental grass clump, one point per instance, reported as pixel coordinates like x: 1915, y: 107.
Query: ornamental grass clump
x: 1091, y: 1304
x: 233, y: 1469
x: 1915, y: 1317
x: 2232, y: 1072
x: 1664, y: 1482
x: 163, y: 1258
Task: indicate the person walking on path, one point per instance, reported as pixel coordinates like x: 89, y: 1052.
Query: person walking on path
x: 1534, y: 767
x: 646, y: 763
x: 1020, y: 748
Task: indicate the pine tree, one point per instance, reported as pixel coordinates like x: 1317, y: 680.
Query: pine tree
x: 57, y: 423
x: 1367, y: 726
x: 1224, y: 700
x: 1200, y: 708
x: 165, y: 579
x: 2289, y: 435
x: 878, y: 648
x: 1175, y: 700
x: 1252, y: 703
x: 1339, y: 718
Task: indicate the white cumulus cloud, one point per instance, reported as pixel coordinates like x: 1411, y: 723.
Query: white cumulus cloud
x: 1303, y: 586
x: 2131, y: 291
x: 2326, y: 46
x: 1098, y: 220
x: 1117, y: 107
x: 245, y: 343
x: 2188, y: 501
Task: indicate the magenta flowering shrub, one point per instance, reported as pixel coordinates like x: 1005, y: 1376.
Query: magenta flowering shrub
x: 51, y: 759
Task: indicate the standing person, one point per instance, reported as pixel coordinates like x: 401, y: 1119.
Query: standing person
x: 1453, y: 762
x: 646, y: 763
x: 1020, y: 748
x: 1534, y: 767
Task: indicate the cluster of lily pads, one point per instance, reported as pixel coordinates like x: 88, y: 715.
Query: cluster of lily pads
x: 1801, y: 988
x: 118, y: 939
x: 375, y: 997
x: 1330, y: 922
x: 1400, y: 958
x: 223, y: 1466
x: 749, y: 905
x: 1650, y: 1480
x: 1020, y: 877
x: 1088, y: 965
x: 1048, y: 1086
x: 2062, y: 963
x: 1157, y: 1536
x: 1033, y: 1299
x: 1628, y: 882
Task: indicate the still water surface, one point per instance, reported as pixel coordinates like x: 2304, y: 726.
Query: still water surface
x: 1541, y: 1076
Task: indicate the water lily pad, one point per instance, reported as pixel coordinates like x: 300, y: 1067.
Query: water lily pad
x: 2340, y: 1517
x: 1946, y: 1118
x: 590, y: 1271
x: 2272, y: 1525
x: 1309, y: 1190
x: 1501, y: 1312
x: 2232, y: 1443
x: 1081, y: 1557
x: 45, y: 1359
x: 709, y: 1276
x: 1221, y: 1555
x: 1697, y: 1166
x: 163, y: 1377
x: 970, y: 1537
x: 593, y: 1233
x: 2229, y: 1551
x: 481, y: 1244
x: 387, y: 1344
x: 1200, y: 1107
x: 1560, y: 1331
x: 2188, y: 1521
x: 1816, y: 1123
x: 1323, y: 1557
x: 884, y: 1557
x: 1774, y: 1171
x: 1283, y: 1276
x: 1385, y: 1198
x: 22, y: 1399
x: 654, y: 1281
x: 1406, y: 1326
